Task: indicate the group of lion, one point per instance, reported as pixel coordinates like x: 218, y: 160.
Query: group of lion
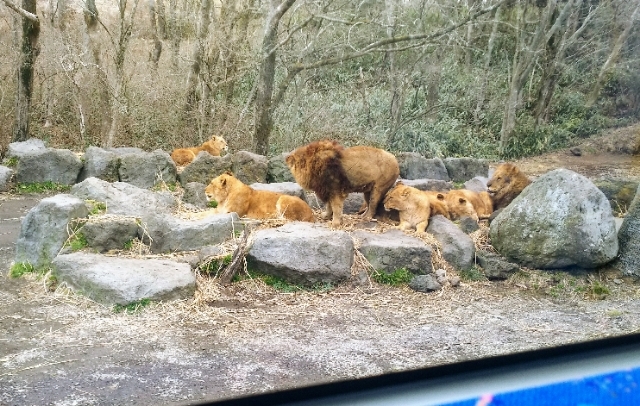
x: 332, y: 172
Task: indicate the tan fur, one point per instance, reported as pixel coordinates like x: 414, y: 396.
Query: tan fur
x: 506, y: 184
x: 438, y: 202
x: 332, y: 172
x: 234, y: 196
x: 465, y: 202
x: 412, y: 204
x: 184, y: 156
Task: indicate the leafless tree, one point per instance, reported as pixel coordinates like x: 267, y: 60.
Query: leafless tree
x: 613, y: 56
x: 526, y: 54
x: 264, y: 103
x: 29, y: 52
x: 120, y: 43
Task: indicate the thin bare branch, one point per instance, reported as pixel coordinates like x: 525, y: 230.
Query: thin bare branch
x: 24, y: 13
x: 394, y: 40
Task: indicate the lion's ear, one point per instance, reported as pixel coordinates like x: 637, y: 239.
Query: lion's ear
x: 440, y: 196
x: 228, y: 173
x: 462, y: 200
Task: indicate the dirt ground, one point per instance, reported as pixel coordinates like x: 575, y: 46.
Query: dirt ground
x: 57, y: 348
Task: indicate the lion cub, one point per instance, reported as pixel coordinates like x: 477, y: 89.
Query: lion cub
x: 414, y: 206
x: 234, y: 196
x: 184, y: 156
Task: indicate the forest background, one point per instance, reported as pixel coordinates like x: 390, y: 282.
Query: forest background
x: 497, y: 79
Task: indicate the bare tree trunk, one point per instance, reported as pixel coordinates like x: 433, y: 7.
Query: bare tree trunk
x: 613, y: 58
x: 154, y: 55
x: 264, y: 105
x: 162, y: 19
x: 395, y: 79
x: 196, y: 56
x: 468, y: 40
x: 524, y: 61
x: 433, y: 82
x: 118, y: 102
x: 96, y: 77
x: 552, y: 69
x: 484, y: 79
x: 174, y: 33
x: 28, y: 53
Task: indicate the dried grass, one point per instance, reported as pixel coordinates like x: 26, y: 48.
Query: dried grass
x: 250, y: 303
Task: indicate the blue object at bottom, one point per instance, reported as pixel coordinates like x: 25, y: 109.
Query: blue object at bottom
x: 617, y: 388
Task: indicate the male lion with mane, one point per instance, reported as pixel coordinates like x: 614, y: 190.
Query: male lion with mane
x: 234, y: 196
x: 506, y: 184
x: 332, y: 172
x: 184, y: 156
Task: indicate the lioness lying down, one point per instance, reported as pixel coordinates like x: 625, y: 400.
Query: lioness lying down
x: 184, y: 156
x: 414, y: 206
x: 463, y: 202
x: 234, y: 196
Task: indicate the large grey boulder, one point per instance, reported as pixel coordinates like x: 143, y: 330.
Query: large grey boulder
x: 204, y: 168
x: 165, y: 233
x: 104, y: 233
x: 458, y: 248
x: 194, y: 194
x: 435, y: 185
x: 124, y: 198
x: 415, y: 166
x: 394, y: 250
x: 562, y: 219
x: 116, y: 280
x: 629, y: 238
x: 249, y: 167
x: 100, y: 163
x: 59, y: 166
x: 285, y: 188
x: 619, y: 192
x: 147, y: 169
x: 6, y: 177
x: 463, y: 169
x: 495, y: 266
x: 45, y: 229
x: 302, y: 253
x: 278, y: 171
x: 18, y: 149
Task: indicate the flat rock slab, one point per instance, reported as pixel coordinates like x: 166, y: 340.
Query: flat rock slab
x: 113, y: 280
x: 302, y: 253
x: 394, y: 250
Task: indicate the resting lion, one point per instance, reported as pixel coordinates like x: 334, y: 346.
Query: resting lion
x: 506, y: 184
x: 438, y: 202
x: 184, y: 156
x: 234, y: 196
x: 412, y: 204
x: 332, y: 172
x: 463, y: 202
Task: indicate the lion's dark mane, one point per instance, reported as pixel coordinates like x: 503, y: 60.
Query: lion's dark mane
x: 322, y: 163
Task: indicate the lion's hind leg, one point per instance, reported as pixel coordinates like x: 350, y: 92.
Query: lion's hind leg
x: 375, y: 197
